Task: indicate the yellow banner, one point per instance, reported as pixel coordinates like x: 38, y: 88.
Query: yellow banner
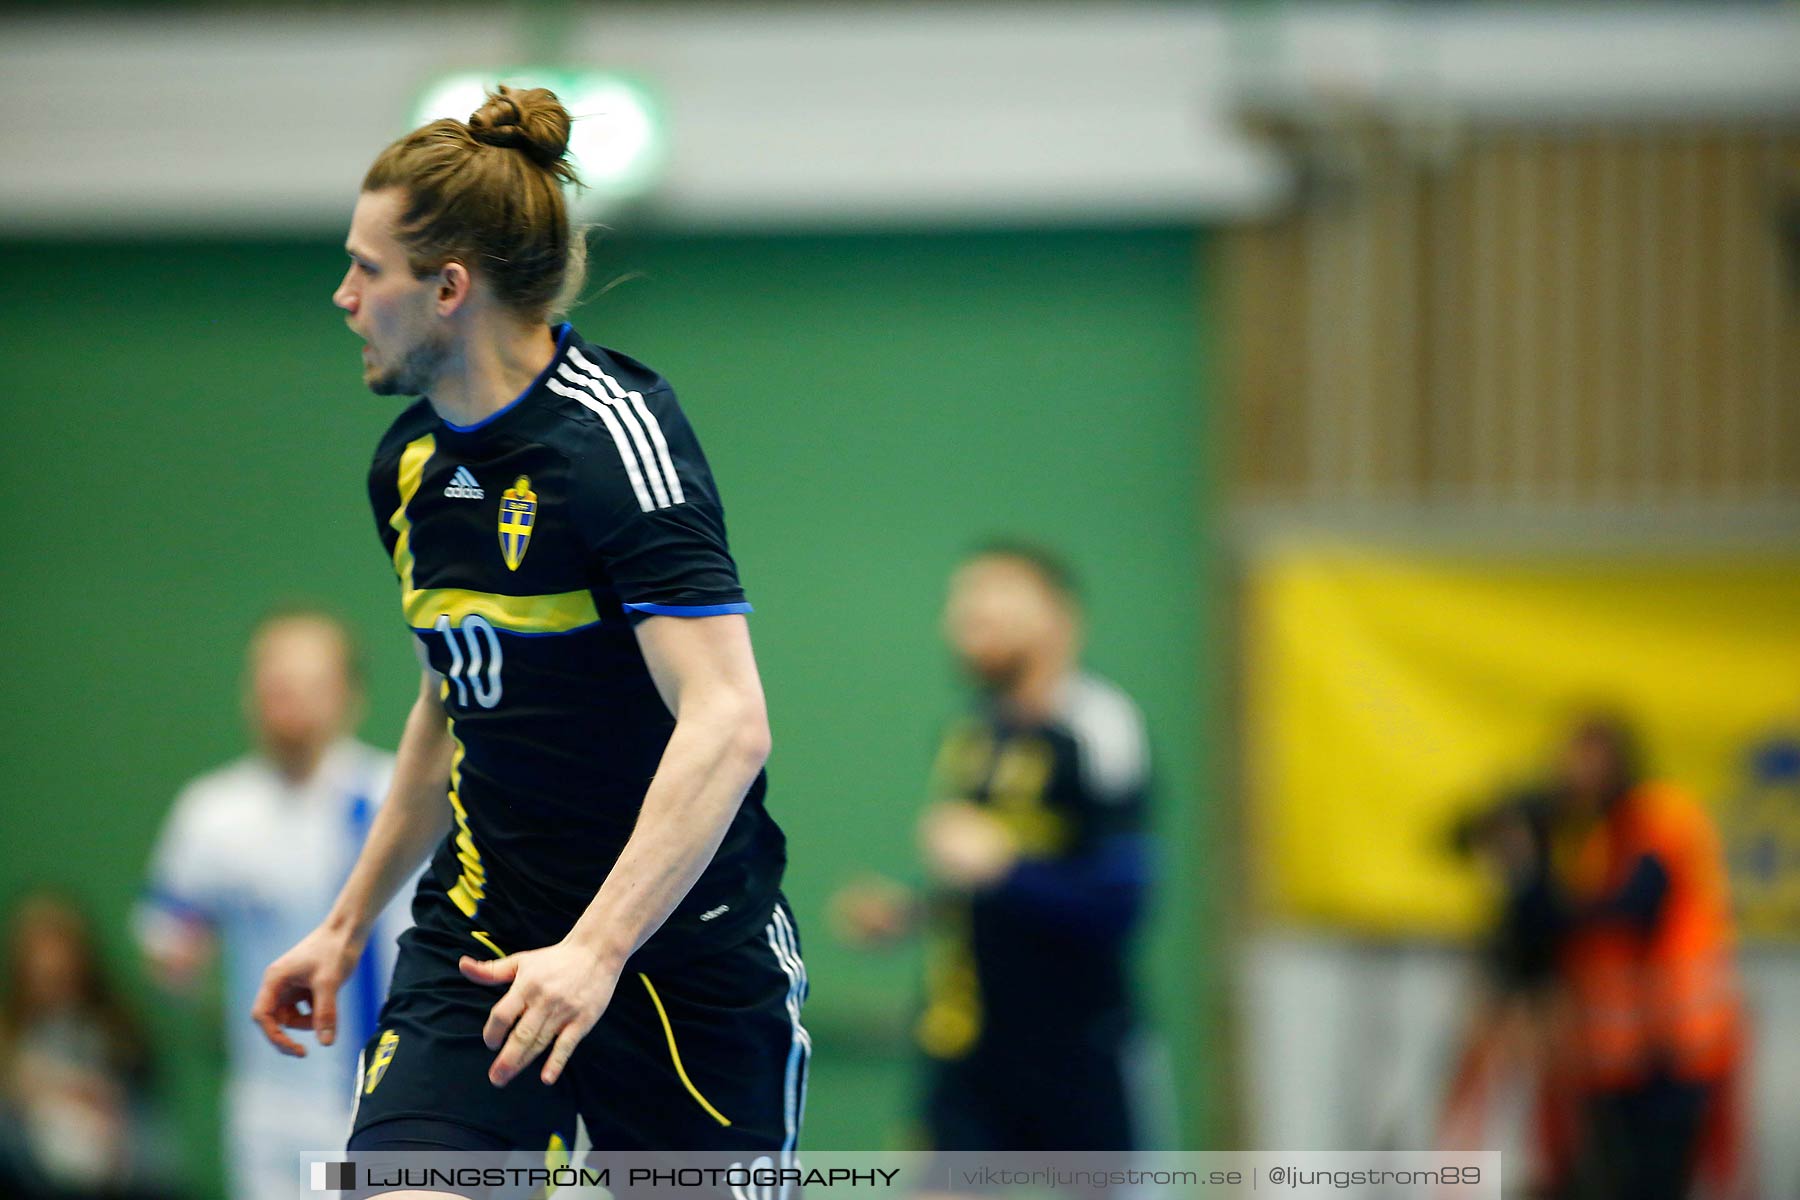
x: 1389, y: 694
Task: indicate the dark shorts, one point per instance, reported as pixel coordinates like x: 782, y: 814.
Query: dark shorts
x: 706, y: 1056
x: 1063, y: 1094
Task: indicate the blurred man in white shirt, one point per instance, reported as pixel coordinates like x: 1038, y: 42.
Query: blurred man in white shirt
x: 249, y: 856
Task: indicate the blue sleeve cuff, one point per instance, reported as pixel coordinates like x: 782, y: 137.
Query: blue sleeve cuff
x: 177, y: 906
x: 689, y: 610
x: 1098, y: 894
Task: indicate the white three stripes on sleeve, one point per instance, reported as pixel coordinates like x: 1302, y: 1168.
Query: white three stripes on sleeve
x: 650, y: 422
x: 618, y: 437
x: 657, y: 482
x: 628, y: 419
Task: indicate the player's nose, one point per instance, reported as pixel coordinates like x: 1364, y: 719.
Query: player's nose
x: 344, y: 298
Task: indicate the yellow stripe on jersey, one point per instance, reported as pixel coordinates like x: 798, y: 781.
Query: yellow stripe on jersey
x: 423, y: 606
x: 951, y: 1022
x: 384, y: 1054
x: 513, y: 614
x: 963, y: 761
x: 471, y: 887
x: 556, y: 1158
x: 675, y: 1055
x: 412, y: 471
x: 1016, y: 797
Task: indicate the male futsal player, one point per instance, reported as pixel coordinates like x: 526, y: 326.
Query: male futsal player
x: 249, y: 857
x: 1039, y: 857
x: 600, y: 938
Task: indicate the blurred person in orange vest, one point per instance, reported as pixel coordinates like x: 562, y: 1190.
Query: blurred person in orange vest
x: 1647, y: 960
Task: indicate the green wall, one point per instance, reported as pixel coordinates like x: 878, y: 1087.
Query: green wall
x: 185, y: 443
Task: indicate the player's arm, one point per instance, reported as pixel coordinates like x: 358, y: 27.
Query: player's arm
x: 704, y: 669
x: 414, y: 818
x: 176, y: 916
x: 177, y: 947
x: 706, y: 674
x: 1097, y: 886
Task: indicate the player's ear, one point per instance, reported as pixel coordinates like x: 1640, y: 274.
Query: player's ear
x: 454, y: 284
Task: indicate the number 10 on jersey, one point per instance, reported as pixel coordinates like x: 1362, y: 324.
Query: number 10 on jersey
x: 475, y: 664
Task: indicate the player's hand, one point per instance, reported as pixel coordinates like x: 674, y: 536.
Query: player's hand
x: 299, y: 990
x: 176, y: 952
x: 872, y: 911
x: 964, y: 846
x: 557, y: 994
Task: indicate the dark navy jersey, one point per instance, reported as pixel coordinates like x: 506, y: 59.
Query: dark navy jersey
x: 527, y: 546
x: 1042, y: 953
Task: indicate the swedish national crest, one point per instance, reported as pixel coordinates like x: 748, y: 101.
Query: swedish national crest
x: 518, y: 513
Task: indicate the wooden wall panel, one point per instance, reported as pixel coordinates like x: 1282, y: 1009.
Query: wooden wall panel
x: 1590, y: 317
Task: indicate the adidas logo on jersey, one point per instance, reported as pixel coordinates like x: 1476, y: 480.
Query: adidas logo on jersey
x: 462, y: 486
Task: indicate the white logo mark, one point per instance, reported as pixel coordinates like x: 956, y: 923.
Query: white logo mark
x: 462, y: 486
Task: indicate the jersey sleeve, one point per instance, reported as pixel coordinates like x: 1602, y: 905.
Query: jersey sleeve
x: 1112, y: 761
x: 650, y: 517
x: 1097, y: 887
x: 187, y: 879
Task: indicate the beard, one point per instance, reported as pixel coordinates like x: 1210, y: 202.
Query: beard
x: 413, y: 376
x: 996, y: 675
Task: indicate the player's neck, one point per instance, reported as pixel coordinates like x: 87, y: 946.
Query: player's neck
x: 491, y: 372
x: 297, y: 764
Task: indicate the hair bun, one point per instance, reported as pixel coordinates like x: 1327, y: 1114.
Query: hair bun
x: 530, y: 120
